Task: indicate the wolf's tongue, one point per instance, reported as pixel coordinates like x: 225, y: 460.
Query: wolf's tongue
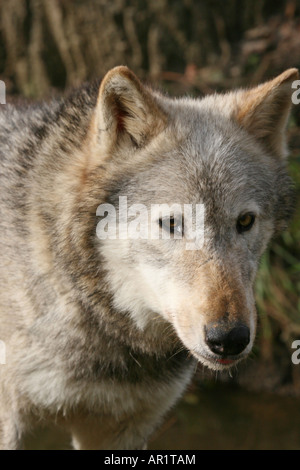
x: 225, y: 361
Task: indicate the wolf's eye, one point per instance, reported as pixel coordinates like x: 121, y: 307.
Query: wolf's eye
x: 174, y: 225
x: 245, y: 222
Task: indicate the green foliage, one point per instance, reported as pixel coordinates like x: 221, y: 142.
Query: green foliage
x: 278, y: 282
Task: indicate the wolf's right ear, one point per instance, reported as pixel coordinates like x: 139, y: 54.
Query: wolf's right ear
x: 264, y: 111
x: 127, y: 114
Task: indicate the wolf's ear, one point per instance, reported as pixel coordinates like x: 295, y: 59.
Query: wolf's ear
x: 264, y: 111
x: 127, y: 114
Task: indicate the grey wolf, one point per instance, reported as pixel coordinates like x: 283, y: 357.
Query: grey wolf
x: 102, y: 336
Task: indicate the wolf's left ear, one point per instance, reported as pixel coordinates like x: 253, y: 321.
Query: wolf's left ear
x: 127, y: 114
x: 264, y: 111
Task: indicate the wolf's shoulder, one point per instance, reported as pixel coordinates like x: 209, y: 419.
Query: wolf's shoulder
x: 25, y: 125
x: 21, y: 114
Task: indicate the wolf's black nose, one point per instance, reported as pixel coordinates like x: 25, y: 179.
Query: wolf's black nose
x: 226, y: 341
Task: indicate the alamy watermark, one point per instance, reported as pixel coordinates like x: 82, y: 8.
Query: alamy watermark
x: 296, y: 355
x: 2, y: 92
x: 2, y: 352
x: 161, y: 221
x: 296, y: 93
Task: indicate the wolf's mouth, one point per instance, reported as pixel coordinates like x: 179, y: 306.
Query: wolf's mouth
x: 225, y: 361
x: 214, y: 362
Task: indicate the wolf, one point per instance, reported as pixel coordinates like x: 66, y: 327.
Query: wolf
x: 102, y: 335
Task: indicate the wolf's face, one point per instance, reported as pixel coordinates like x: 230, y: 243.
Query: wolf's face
x: 223, y: 155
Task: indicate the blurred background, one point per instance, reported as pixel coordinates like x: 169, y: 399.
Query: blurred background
x: 183, y: 47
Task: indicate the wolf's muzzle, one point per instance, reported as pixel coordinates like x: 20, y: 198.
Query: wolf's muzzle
x: 227, y: 340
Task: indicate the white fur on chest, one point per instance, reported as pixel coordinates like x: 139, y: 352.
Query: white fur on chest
x: 50, y: 389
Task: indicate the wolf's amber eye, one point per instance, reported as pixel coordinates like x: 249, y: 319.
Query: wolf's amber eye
x: 245, y: 222
x: 172, y: 225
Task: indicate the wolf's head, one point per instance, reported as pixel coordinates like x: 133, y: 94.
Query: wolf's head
x: 224, y: 154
